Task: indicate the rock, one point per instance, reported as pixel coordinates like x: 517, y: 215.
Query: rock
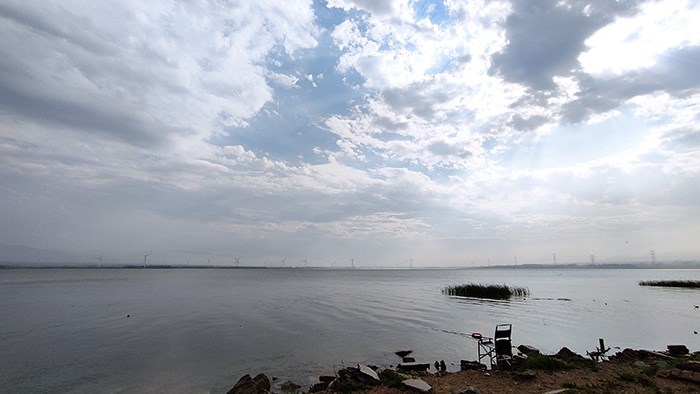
x: 413, y: 367
x: 408, y: 360
x: 690, y: 366
x: 677, y: 350
x: 318, y: 387
x: 417, y: 385
x: 289, y: 386
x: 443, y: 366
x: 652, y: 354
x: 351, y: 379
x: 469, y: 390
x: 326, y: 378
x: 528, y: 350
x: 565, y: 352
x: 403, y: 353
x: 465, y: 365
x: 560, y: 391
x: 247, y: 385
x: 368, y: 371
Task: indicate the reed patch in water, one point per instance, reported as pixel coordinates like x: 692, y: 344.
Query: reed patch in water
x: 671, y: 283
x: 494, y: 292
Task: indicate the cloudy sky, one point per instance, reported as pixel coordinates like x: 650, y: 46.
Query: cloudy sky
x: 446, y: 132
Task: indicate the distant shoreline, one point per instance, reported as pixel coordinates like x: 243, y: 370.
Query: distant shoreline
x: 670, y: 265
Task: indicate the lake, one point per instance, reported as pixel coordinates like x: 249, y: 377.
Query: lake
x: 200, y: 330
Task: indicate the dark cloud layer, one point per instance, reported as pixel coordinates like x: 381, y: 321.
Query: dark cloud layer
x: 545, y: 38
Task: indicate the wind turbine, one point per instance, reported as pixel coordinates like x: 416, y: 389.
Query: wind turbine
x: 238, y: 260
x: 99, y: 259
x: 284, y: 260
x: 145, y: 257
x: 352, y: 263
x: 306, y: 261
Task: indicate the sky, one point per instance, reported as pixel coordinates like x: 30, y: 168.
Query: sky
x: 332, y: 132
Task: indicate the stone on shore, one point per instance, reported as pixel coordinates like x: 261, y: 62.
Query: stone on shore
x: 408, y: 360
x: 403, y: 353
x: 247, y: 385
x: 368, y: 371
x: 677, y: 350
x: 528, y: 350
x: 318, y: 387
x: 417, y: 385
x: 422, y: 367
x: 471, y: 365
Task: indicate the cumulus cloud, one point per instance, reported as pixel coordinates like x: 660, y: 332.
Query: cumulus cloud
x: 346, y: 128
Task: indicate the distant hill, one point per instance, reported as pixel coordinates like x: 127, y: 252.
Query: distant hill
x: 694, y: 264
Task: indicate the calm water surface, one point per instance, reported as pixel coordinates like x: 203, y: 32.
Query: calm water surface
x: 85, y: 330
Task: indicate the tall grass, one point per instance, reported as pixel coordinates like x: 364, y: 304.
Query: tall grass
x: 671, y: 283
x: 494, y: 292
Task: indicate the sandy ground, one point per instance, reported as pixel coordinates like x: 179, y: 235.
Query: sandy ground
x: 609, y: 377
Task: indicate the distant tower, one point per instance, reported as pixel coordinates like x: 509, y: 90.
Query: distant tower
x: 411, y: 263
x: 352, y: 263
x: 653, y: 257
x: 554, y: 258
x: 592, y: 259
x: 515, y: 260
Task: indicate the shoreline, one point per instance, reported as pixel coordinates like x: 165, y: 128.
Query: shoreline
x: 676, y: 370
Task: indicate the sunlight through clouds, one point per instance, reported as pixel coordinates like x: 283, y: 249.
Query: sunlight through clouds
x: 632, y: 43
x: 446, y: 130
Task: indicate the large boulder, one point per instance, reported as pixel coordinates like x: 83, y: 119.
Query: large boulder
x: 260, y: 384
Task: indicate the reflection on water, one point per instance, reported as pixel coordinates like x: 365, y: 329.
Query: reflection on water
x: 200, y: 330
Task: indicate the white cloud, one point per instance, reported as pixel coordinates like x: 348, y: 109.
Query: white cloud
x: 268, y: 130
x: 634, y: 43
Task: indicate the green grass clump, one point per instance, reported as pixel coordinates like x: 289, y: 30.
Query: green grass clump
x: 391, y: 378
x: 494, y: 292
x: 672, y: 283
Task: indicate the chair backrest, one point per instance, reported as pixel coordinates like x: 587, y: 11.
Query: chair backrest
x: 502, y: 339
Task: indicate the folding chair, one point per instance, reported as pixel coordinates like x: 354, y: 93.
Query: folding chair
x: 503, y: 345
x: 498, y: 349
